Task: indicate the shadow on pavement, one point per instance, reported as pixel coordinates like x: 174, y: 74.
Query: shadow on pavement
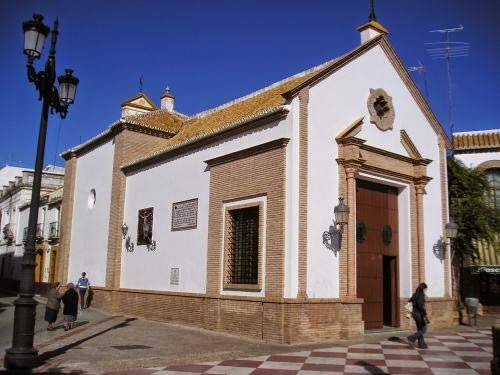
x: 54, y: 371
x: 44, y: 357
x: 372, y: 369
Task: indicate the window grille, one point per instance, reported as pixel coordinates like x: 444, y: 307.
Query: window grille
x: 243, y: 244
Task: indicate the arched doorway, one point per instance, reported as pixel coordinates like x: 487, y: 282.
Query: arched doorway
x: 377, y: 253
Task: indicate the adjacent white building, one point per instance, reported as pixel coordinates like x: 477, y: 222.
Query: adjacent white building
x: 15, y: 198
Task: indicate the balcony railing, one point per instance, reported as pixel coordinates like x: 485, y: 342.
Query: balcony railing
x: 39, y: 232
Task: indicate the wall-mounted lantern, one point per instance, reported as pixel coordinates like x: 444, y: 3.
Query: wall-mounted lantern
x: 332, y: 238
x: 129, y: 245
x: 451, y: 231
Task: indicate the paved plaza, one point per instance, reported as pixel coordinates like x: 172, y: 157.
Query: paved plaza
x: 119, y: 345
x: 466, y: 352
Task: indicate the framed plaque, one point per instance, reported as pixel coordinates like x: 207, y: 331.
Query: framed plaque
x: 185, y: 215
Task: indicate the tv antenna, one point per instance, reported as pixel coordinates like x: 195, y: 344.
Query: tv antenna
x: 420, y: 68
x: 448, y: 50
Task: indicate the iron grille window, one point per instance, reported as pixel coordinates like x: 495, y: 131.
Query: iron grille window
x: 244, y: 246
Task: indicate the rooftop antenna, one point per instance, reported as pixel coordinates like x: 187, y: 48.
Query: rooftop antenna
x: 141, y: 82
x: 447, y: 50
x: 420, y: 68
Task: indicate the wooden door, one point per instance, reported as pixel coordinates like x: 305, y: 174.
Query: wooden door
x: 376, y: 252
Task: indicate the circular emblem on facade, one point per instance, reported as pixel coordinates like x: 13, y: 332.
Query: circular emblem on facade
x: 381, y: 109
x: 360, y: 231
x: 386, y: 234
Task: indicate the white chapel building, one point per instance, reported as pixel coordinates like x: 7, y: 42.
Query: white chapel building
x: 222, y: 219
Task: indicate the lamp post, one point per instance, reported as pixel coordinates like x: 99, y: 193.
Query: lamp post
x: 22, y: 356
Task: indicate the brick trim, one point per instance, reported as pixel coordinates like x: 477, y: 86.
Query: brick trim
x: 261, y: 174
x: 70, y: 169
x: 443, y: 178
x: 128, y: 145
x: 303, y: 173
x: 356, y: 157
x: 226, y: 263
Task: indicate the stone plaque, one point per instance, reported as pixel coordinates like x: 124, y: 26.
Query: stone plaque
x: 174, y: 276
x: 185, y: 215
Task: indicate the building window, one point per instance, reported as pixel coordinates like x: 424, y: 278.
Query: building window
x: 493, y: 176
x: 145, y: 226
x: 243, y: 248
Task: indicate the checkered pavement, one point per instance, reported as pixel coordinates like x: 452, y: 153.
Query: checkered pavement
x: 464, y: 352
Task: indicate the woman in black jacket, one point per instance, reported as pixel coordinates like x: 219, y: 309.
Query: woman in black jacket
x: 419, y: 314
x: 70, y: 310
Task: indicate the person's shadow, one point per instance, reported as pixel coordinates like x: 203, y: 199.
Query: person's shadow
x: 90, y: 297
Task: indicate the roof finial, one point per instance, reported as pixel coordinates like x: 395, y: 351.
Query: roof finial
x: 372, y: 16
x: 141, y: 82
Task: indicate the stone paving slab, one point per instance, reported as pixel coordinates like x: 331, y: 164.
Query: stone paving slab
x: 465, y: 352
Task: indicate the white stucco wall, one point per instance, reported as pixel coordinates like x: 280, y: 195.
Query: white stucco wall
x: 182, y: 178
x: 334, y: 104
x: 473, y: 160
x: 89, y: 233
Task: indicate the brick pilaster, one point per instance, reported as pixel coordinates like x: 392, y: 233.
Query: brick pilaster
x: 303, y: 159
x: 66, y: 220
x: 350, y: 249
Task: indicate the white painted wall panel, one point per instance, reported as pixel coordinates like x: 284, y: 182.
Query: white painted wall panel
x: 89, y: 232
x: 159, y: 186
x: 334, y: 103
x: 473, y: 160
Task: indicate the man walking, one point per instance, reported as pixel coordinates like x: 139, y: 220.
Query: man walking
x: 83, y: 285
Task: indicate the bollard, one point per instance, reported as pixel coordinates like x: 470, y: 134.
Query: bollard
x: 472, y: 309
x: 495, y: 362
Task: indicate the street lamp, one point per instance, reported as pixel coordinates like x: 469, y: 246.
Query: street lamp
x: 22, y: 355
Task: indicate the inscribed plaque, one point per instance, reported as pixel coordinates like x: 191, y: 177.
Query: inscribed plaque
x: 185, y: 214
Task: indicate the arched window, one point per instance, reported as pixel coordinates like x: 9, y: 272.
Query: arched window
x: 493, y: 176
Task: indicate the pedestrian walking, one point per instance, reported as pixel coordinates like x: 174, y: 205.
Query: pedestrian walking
x: 53, y: 305
x: 70, y: 309
x: 83, y: 286
x: 419, y: 315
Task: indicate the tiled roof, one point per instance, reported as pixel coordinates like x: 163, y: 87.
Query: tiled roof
x: 251, y: 106
x: 468, y: 141
x: 159, y: 120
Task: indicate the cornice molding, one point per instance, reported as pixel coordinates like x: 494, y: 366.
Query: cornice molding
x: 409, y: 146
x: 342, y: 61
x: 352, y: 129
x: 206, y: 139
x: 259, y: 149
x: 415, y: 92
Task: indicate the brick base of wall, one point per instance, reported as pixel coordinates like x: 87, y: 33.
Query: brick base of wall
x: 283, y: 321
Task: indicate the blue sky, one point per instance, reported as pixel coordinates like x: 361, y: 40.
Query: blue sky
x: 213, y: 51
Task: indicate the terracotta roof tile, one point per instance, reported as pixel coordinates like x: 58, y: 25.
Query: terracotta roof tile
x: 247, y: 107
x: 469, y: 141
x: 160, y: 119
